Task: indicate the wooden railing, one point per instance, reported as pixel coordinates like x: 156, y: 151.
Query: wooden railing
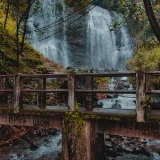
x: 143, y: 87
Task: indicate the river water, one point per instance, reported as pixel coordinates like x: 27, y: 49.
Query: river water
x: 49, y: 148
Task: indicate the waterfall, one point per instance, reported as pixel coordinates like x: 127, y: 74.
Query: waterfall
x: 108, y: 48
x: 54, y: 47
x: 97, y: 45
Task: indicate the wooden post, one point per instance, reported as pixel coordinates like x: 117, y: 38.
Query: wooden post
x: 98, y: 148
x: 42, y: 95
x: 3, y: 87
x: 148, y: 82
x: 77, y: 147
x: 71, y: 89
x: 89, y: 97
x: 21, y: 93
x: 147, y: 88
x: 17, y: 92
x: 140, y: 96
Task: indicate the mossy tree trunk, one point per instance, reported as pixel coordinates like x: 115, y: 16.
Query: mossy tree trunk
x: 77, y: 145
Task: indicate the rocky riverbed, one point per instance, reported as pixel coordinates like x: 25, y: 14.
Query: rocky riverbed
x: 123, y: 148
x: 37, y: 144
x: 46, y: 144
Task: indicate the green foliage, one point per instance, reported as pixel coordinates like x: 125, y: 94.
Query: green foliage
x: 29, y: 59
x: 146, y: 60
x: 42, y: 69
x: 105, y: 80
x: 75, y: 119
x: 76, y: 3
x: 127, y: 7
x: 146, y: 102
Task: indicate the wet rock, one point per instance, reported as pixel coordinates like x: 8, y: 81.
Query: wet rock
x: 116, y: 106
x: 98, y: 104
x: 33, y: 147
x: 59, y: 142
x: 58, y: 157
x: 53, y: 132
x: 46, y: 142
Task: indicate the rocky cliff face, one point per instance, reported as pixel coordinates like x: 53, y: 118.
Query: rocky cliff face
x: 77, y: 42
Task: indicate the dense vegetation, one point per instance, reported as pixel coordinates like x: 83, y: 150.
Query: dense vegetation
x: 30, y: 61
x: 147, y: 53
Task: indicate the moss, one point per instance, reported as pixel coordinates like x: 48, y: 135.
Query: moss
x: 10, y: 27
x: 30, y: 61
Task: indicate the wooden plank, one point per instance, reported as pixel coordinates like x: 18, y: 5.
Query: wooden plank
x: 109, y: 74
x: 21, y: 93
x: 154, y: 73
x: 153, y: 92
x: 4, y: 96
x: 46, y: 90
x: 6, y: 75
x: 71, y: 90
x: 148, y: 83
x: 6, y: 90
x: 140, y: 96
x: 89, y: 96
x: 44, y: 75
x: 42, y: 95
x: 106, y: 91
x: 31, y: 120
x: 17, y: 90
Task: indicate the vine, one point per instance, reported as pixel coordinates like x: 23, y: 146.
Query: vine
x: 73, y: 129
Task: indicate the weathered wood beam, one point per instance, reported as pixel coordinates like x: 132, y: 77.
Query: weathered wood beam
x: 71, y: 90
x: 77, y: 147
x: 140, y: 96
x: 89, y: 96
x: 42, y: 95
x: 148, y: 82
x: 4, y: 96
x: 46, y: 90
x: 106, y: 91
x: 17, y: 91
x: 109, y: 74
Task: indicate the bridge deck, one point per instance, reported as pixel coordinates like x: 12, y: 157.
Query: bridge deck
x: 63, y: 109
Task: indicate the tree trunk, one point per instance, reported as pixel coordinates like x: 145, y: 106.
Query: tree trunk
x: 8, y: 7
x: 152, y: 18
x: 29, y: 3
x: 17, y: 36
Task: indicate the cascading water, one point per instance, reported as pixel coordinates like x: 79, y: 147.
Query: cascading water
x: 108, y: 48
x: 44, y: 39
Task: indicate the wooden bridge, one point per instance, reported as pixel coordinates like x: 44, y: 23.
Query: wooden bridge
x: 141, y: 122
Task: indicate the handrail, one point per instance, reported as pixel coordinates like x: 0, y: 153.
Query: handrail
x: 153, y: 92
x: 106, y: 91
x: 6, y: 75
x: 109, y: 74
x: 6, y: 90
x: 154, y: 73
x: 143, y: 87
x: 43, y: 75
x: 46, y: 90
